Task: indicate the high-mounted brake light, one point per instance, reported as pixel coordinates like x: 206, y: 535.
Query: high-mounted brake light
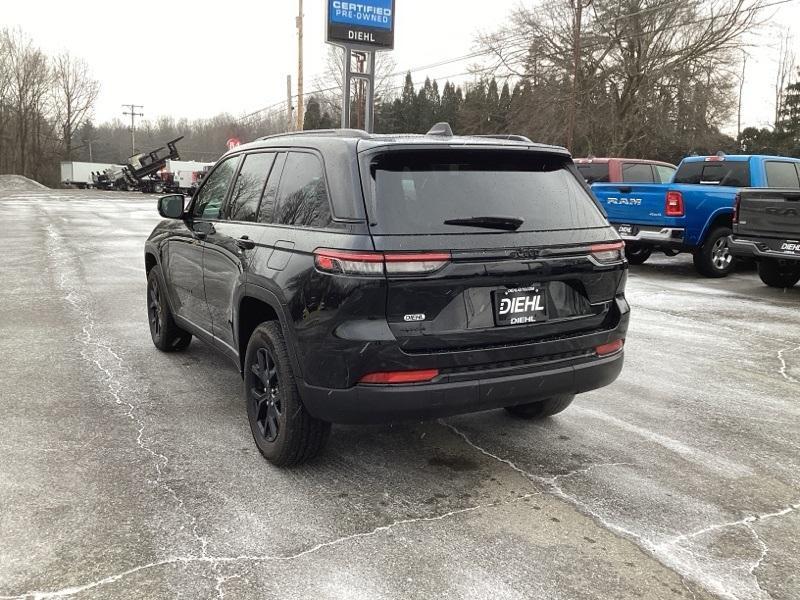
x: 395, y: 377
x: 674, y: 204
x: 373, y: 264
x: 736, y: 203
x: 610, y: 348
x: 608, y: 253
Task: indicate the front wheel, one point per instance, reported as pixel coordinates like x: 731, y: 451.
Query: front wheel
x: 637, y: 255
x: 166, y: 335
x: 543, y: 408
x: 778, y: 273
x: 284, y: 432
x: 714, y: 258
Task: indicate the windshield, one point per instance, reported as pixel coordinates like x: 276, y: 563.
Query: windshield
x: 735, y: 173
x: 446, y: 191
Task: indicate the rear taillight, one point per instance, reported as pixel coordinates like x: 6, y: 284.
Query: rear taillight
x: 608, y: 253
x: 610, y: 348
x: 737, y: 201
x: 395, y: 377
x: 375, y: 264
x: 674, y: 204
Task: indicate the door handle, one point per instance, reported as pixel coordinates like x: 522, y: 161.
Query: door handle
x: 625, y: 189
x: 245, y: 243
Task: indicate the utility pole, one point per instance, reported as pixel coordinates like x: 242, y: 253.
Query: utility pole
x: 133, y: 114
x: 289, y: 121
x: 300, y: 110
x: 89, y: 143
x: 576, y: 69
x: 741, y: 89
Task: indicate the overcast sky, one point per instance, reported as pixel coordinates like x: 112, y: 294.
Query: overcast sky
x: 198, y: 59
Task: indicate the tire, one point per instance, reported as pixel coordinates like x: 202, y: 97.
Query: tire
x: 714, y: 258
x: 637, y: 255
x: 166, y: 335
x: 543, y: 408
x: 282, y: 429
x: 778, y: 274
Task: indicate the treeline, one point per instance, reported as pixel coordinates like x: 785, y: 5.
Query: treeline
x: 656, y: 79
x: 44, y: 100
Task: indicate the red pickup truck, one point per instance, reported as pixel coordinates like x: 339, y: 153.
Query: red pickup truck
x: 624, y: 170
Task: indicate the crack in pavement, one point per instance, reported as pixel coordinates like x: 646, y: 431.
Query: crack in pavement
x: 784, y: 366
x: 659, y: 551
x: 246, y: 558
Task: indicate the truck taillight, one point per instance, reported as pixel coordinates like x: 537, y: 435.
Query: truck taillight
x: 375, y: 264
x: 608, y: 253
x: 737, y: 201
x: 674, y: 204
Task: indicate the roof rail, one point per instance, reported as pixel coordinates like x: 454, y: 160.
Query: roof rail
x: 359, y: 133
x: 505, y: 136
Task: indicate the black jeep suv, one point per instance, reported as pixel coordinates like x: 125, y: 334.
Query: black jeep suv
x: 355, y: 277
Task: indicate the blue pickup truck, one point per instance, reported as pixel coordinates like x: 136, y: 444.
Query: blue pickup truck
x: 694, y: 213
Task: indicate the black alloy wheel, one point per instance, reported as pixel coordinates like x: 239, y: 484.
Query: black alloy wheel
x: 265, y: 395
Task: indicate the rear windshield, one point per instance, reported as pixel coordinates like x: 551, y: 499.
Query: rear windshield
x: 415, y: 192
x: 735, y: 173
x: 594, y: 172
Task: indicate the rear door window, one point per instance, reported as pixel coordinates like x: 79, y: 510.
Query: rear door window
x: 781, y: 174
x: 249, y: 186
x: 735, y: 173
x: 420, y: 191
x: 302, y: 196
x: 210, y: 198
x: 594, y: 172
x: 637, y: 173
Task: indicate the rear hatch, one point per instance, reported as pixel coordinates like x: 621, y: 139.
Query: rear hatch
x: 503, y: 242
x: 632, y: 203
x: 770, y: 213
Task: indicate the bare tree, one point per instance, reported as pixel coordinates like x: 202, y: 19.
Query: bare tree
x: 786, y: 63
x: 74, y: 93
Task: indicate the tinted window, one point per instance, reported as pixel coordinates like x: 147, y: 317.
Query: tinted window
x: 637, y: 173
x: 664, y: 174
x: 249, y: 186
x: 302, y: 196
x: 416, y: 192
x: 782, y: 174
x: 594, y: 172
x: 209, y: 199
x: 734, y: 173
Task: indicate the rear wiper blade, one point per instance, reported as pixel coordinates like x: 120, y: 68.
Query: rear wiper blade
x: 504, y: 223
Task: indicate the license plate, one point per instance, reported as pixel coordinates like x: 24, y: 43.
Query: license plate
x: 625, y: 230
x: 790, y: 247
x: 519, y: 306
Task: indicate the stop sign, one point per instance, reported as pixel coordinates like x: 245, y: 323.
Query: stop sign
x: 233, y: 142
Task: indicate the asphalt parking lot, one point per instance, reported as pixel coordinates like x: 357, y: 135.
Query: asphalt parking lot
x: 127, y: 473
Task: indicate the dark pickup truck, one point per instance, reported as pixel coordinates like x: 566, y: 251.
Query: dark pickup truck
x: 766, y: 227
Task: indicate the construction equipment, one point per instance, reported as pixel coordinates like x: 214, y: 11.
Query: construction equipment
x: 141, y: 171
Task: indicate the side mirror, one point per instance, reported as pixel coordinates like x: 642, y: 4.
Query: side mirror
x: 171, y: 207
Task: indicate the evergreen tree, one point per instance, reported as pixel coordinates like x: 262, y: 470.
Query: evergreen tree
x: 492, y: 109
x: 313, y: 115
x: 408, y: 119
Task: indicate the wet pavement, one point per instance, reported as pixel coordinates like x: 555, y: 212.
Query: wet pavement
x: 127, y: 473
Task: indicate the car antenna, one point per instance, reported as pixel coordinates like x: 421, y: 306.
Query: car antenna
x: 443, y: 129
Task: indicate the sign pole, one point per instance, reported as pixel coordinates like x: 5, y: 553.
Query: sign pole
x: 366, y: 27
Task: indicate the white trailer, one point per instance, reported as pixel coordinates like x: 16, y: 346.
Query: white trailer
x: 186, y: 174
x: 79, y: 174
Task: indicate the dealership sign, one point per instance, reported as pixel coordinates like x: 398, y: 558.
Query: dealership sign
x: 365, y: 23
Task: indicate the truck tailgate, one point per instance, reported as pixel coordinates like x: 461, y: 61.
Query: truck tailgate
x: 635, y: 203
x: 771, y: 213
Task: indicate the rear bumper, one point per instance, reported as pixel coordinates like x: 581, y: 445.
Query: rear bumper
x: 758, y: 248
x: 647, y: 235
x: 451, y: 394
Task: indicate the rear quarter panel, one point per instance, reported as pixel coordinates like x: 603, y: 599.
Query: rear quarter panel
x: 704, y: 204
